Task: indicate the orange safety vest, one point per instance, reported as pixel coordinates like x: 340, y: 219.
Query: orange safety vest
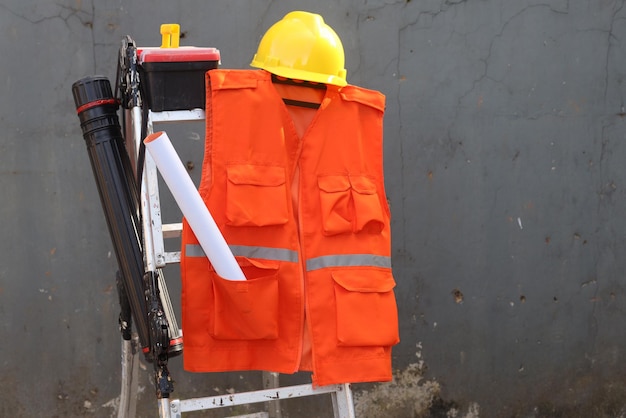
x: 319, y: 280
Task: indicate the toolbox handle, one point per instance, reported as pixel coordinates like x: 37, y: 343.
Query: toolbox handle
x: 170, y: 35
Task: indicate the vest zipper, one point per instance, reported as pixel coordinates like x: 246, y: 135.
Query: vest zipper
x: 302, y: 262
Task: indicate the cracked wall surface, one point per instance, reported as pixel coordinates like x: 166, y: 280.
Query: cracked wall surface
x: 504, y: 166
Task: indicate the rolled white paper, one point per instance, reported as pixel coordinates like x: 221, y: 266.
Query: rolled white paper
x: 191, y: 204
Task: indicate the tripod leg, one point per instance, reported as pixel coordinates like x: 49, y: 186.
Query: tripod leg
x: 130, y: 363
x: 160, y: 338
x: 130, y: 372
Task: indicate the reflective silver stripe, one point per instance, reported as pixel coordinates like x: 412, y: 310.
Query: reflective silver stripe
x: 348, y: 260
x: 193, y: 250
x: 282, y: 254
x: 266, y: 253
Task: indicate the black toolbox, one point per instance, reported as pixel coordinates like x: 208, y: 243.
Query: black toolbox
x: 173, y: 78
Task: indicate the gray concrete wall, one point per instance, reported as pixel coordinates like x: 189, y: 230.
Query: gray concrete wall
x: 504, y: 159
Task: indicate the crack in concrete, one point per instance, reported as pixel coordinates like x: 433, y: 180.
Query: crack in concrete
x: 93, y: 36
x: 443, y: 7
x: 610, y: 36
x: 63, y: 13
x: 35, y: 21
x: 486, y: 60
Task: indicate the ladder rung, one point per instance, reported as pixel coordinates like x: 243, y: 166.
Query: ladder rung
x: 177, y: 115
x: 172, y: 230
x: 172, y: 257
x: 223, y: 401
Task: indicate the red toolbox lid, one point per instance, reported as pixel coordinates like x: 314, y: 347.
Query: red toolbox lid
x: 180, y: 54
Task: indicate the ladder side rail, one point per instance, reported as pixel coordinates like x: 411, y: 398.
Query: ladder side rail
x: 155, y: 255
x: 343, y: 402
x: 151, y: 211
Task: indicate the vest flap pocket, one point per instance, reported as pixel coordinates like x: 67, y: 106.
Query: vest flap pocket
x: 335, y: 204
x: 350, y: 204
x: 257, y: 175
x: 256, y: 195
x: 369, y: 215
x: 365, y: 280
x: 366, y: 307
x: 247, y: 310
x: 363, y: 185
x: 333, y: 184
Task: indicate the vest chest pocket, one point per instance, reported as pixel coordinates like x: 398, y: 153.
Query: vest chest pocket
x: 366, y: 307
x: 367, y: 207
x: 335, y: 204
x: 350, y: 204
x: 256, y: 196
x: 246, y: 310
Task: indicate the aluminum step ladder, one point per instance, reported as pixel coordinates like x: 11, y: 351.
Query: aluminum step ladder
x: 139, y: 122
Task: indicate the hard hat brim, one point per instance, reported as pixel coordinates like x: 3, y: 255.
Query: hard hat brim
x: 303, y: 75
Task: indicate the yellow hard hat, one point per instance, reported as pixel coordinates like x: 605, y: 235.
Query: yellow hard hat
x: 302, y: 47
